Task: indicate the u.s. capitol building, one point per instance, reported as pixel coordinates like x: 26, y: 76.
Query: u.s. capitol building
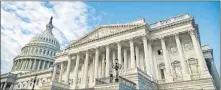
x: 164, y: 55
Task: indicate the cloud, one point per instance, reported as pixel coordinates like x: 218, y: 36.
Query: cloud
x: 20, y: 21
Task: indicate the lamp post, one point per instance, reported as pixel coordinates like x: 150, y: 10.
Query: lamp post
x: 117, y: 66
x: 34, y: 81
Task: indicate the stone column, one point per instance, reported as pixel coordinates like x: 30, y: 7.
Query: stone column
x: 48, y: 64
x: 152, y: 63
x: 107, y: 74
x: 39, y: 64
x: 4, y: 88
x: 185, y: 73
x: 43, y: 66
x: 103, y: 66
x: 166, y: 61
x: 119, y: 52
x: 1, y: 85
x: 21, y: 64
x: 96, y: 63
x: 215, y: 74
x: 30, y: 63
x: 61, y: 72
x: 11, y: 86
x: 132, y: 55
x: 24, y: 64
x: 156, y: 65
x: 34, y: 65
x: 113, y: 63
x: 68, y: 71
x: 100, y: 69
x: 54, y: 72
x: 86, y: 69
x: 76, y: 71
x: 137, y: 52
x: 202, y: 62
x: 125, y: 58
x: 114, y: 56
x: 147, y: 61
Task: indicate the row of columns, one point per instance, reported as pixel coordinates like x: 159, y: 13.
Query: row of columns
x: 199, y: 55
x: 150, y: 64
x: 134, y: 51
x: 30, y: 64
x: 4, y: 85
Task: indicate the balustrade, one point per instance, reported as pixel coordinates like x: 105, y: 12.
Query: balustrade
x: 108, y: 80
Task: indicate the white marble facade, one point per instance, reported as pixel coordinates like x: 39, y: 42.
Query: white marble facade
x: 168, y: 51
x: 164, y: 55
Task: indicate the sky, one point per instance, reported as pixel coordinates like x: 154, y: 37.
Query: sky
x: 22, y: 20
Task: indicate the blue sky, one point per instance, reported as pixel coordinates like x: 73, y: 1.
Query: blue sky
x: 23, y: 20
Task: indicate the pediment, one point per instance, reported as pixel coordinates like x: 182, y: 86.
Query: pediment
x: 104, y: 31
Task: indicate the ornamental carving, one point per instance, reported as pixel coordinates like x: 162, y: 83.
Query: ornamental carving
x: 173, y: 49
x: 188, y: 46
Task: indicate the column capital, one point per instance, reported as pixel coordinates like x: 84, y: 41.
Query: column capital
x: 144, y: 37
x: 107, y: 45
x: 131, y: 40
x: 96, y: 47
x: 176, y: 35
x: 118, y: 42
x: 162, y: 39
x: 191, y: 32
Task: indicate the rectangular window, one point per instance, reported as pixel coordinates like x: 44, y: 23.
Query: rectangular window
x: 162, y: 74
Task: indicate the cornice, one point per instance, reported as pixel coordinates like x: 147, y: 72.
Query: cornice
x: 51, y: 46
x: 32, y: 57
x: 31, y: 73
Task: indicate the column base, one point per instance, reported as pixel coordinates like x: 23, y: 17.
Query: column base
x: 205, y: 74
x: 169, y: 79
x: 186, y: 77
x: 73, y: 87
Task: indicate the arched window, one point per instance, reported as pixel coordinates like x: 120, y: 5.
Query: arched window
x: 36, y: 51
x: 44, y: 51
x: 177, y: 70
x: 51, y: 54
x: 161, y: 68
x: 40, y: 51
x: 47, y: 52
x: 194, y: 67
x: 33, y: 50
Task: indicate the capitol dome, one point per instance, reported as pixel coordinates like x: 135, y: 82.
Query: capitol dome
x: 39, y: 53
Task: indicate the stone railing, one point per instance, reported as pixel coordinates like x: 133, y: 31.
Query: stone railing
x: 127, y: 82
x: 169, y: 21
x: 194, y: 77
x: 161, y: 81
x: 128, y: 71
x: 177, y: 79
x: 132, y: 71
x: 8, y: 75
x: 108, y: 80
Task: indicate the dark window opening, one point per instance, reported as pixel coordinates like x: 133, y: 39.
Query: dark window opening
x: 160, y: 51
x: 162, y: 73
